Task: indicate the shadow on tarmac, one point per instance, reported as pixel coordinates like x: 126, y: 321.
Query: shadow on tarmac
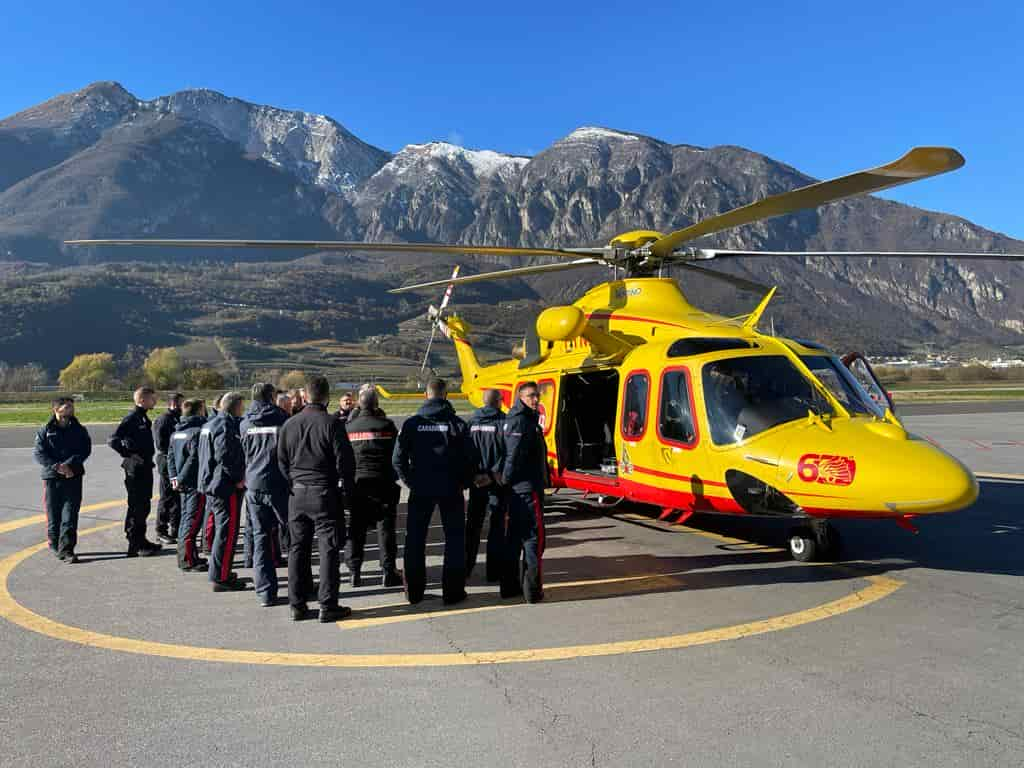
x: 988, y: 537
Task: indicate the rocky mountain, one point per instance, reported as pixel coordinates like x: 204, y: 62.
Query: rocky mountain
x: 100, y: 162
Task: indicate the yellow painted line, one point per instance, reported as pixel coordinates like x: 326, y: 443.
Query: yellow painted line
x: 878, y: 588
x: 414, y: 613
x: 22, y: 522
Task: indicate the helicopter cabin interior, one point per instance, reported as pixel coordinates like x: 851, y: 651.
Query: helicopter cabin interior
x: 586, y: 422
x: 591, y: 409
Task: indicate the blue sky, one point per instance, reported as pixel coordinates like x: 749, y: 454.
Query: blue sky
x: 827, y: 87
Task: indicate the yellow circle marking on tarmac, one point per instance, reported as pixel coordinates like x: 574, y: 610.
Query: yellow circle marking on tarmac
x: 10, y: 609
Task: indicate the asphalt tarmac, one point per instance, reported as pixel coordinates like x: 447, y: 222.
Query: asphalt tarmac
x: 657, y: 645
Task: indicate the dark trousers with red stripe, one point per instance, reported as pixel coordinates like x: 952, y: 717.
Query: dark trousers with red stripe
x: 265, y: 542
x: 226, y: 518
x: 484, y: 501
x: 193, y: 509
x: 420, y: 510
x: 314, y: 509
x: 62, y: 499
x: 523, y: 571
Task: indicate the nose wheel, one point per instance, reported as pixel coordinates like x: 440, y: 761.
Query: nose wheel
x: 816, y: 541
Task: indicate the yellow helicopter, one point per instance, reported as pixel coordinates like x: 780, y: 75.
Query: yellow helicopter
x: 646, y: 397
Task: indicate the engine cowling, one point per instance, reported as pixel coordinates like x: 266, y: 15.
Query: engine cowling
x: 561, y: 323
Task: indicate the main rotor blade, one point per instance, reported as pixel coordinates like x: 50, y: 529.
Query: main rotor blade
x: 918, y: 163
x: 339, y: 245
x: 739, y: 282
x: 706, y: 254
x: 502, y: 273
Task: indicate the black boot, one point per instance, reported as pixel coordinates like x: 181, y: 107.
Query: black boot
x: 330, y: 614
x: 392, y: 578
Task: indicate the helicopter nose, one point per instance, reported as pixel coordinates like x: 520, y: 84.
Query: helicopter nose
x: 932, y: 481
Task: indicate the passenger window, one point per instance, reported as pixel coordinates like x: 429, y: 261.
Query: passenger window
x: 634, y: 406
x: 675, y: 418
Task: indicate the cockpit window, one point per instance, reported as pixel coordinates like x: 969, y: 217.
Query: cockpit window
x: 748, y: 395
x: 831, y: 372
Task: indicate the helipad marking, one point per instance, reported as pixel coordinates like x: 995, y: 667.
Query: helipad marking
x: 10, y: 609
x: 23, y: 522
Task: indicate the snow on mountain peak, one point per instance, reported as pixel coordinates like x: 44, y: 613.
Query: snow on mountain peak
x: 484, y: 163
x: 596, y: 133
x: 313, y: 147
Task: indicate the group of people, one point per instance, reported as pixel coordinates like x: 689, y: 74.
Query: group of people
x: 298, y: 470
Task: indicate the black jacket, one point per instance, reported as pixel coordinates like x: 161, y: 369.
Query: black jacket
x: 485, y: 429
x: 183, y: 456
x: 55, y: 445
x: 434, y: 455
x: 373, y: 436
x: 133, y: 440
x: 259, y: 444
x: 313, y: 450
x: 163, y: 427
x: 525, y: 468
x: 221, y: 462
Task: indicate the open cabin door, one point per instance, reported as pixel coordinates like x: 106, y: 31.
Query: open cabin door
x: 865, y: 374
x: 585, y: 428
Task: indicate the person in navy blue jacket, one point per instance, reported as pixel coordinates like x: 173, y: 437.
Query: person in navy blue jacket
x: 436, y: 460
x: 524, y: 472
x: 61, y: 448
x: 486, y: 430
x: 221, y: 479
x: 183, y: 471
x: 266, y: 493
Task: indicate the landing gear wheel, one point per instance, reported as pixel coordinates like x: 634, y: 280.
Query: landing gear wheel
x: 803, y: 545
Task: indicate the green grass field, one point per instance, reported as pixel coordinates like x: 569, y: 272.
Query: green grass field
x: 32, y: 414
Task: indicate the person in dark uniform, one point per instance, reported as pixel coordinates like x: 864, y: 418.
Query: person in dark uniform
x: 266, y: 495
x: 183, y: 469
x: 61, y: 448
x: 168, y: 509
x: 435, y: 459
x: 133, y: 441
x: 375, y: 502
x: 485, y: 429
x: 221, y: 479
x: 211, y: 414
x: 525, y: 474
x: 345, y: 405
x: 316, y: 461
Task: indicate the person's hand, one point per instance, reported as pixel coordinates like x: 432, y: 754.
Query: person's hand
x: 481, y: 480
x: 65, y: 470
x: 240, y: 484
x: 174, y: 483
x: 499, y: 478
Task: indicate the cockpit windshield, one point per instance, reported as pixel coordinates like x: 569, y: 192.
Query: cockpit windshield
x: 748, y: 395
x: 843, y: 385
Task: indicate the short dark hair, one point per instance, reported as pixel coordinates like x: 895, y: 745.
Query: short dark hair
x: 437, y: 387
x: 263, y: 392
x: 318, y: 389
x: 193, y: 407
x: 59, y: 401
x: 492, y: 397
x: 175, y: 397
x: 528, y: 385
x: 230, y: 401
